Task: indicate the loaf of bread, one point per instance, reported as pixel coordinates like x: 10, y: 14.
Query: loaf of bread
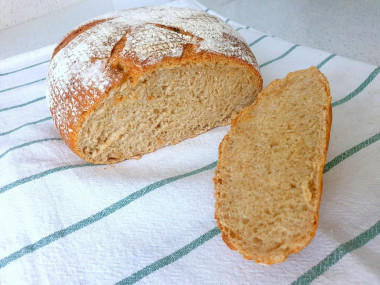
x: 268, y: 181
x: 132, y: 81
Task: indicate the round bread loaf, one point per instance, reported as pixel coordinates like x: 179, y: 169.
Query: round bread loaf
x: 129, y: 82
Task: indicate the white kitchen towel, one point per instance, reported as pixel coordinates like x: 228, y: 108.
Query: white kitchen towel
x: 64, y: 221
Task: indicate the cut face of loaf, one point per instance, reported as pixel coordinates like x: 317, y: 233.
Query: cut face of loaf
x: 268, y: 181
x: 129, y: 82
x: 164, y: 107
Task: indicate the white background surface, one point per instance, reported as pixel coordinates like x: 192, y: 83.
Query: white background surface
x: 346, y: 27
x: 15, y: 12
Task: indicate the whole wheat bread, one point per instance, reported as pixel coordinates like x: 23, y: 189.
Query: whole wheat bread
x: 268, y: 181
x: 129, y: 82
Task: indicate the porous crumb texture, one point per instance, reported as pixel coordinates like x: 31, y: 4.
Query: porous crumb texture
x: 165, y: 107
x: 96, y: 58
x: 268, y: 181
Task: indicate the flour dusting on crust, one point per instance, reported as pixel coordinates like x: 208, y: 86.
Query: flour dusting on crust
x: 80, y: 73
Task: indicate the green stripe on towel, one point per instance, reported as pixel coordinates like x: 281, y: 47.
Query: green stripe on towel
x: 42, y: 174
x: 28, y: 143
x: 23, y: 104
x: 350, y: 152
x: 24, y: 125
x: 99, y: 215
x: 170, y: 258
x: 241, y: 28
x: 257, y: 40
x: 280, y: 57
x: 366, y: 82
x: 22, y: 85
x: 338, y: 254
x: 325, y: 61
x: 27, y: 67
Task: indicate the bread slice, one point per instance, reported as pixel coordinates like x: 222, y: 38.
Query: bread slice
x: 268, y: 181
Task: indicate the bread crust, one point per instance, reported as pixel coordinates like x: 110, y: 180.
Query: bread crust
x: 72, y: 96
x: 244, y: 115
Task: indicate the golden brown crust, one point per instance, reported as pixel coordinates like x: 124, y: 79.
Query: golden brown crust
x: 72, y: 97
x: 71, y: 35
x: 244, y: 115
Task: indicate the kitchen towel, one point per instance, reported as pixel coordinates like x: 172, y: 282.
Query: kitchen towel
x: 64, y: 221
